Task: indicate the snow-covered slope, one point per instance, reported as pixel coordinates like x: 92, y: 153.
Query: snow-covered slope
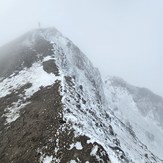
x: 139, y: 109
x: 53, y: 107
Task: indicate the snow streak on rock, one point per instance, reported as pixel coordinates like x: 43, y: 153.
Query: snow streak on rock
x: 34, y: 75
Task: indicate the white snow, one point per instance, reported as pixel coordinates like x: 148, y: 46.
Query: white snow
x: 48, y: 159
x: 13, y: 112
x: 34, y: 75
x: 84, y: 123
x: 47, y: 58
x: 94, y: 150
x: 45, y: 158
x: 125, y: 108
x: 88, y: 118
x: 113, y: 159
x: 77, y: 145
x: 73, y: 161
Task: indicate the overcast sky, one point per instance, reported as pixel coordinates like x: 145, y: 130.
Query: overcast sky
x: 121, y: 37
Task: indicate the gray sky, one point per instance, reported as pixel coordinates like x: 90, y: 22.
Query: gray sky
x: 121, y: 37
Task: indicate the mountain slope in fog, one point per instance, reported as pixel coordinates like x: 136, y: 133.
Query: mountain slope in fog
x: 54, y: 109
x: 139, y: 109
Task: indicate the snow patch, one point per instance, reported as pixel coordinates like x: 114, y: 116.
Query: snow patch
x: 77, y: 145
x: 48, y: 159
x: 94, y: 150
x: 13, y: 112
x: 34, y: 75
x: 125, y: 108
x: 47, y: 58
x: 73, y: 161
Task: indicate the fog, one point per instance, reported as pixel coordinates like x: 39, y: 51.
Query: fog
x: 121, y: 37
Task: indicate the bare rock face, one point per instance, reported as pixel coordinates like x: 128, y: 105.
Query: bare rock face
x: 53, y: 108
x: 50, y: 67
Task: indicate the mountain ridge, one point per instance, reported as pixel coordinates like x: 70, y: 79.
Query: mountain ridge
x: 53, y: 104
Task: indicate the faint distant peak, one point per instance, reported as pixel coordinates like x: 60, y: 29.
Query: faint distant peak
x: 139, y: 92
x: 114, y: 80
